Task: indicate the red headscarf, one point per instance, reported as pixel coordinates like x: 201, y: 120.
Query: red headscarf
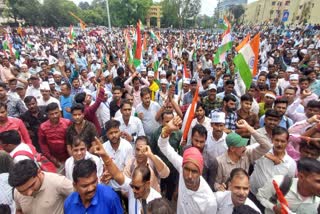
x: 194, y: 156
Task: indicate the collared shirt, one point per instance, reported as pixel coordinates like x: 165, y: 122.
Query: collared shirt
x: 296, y: 203
x: 155, y: 175
x: 34, y: 70
x: 134, y: 127
x: 49, y: 199
x: 87, y: 133
x: 252, y: 153
x: 206, y: 123
x: 69, y: 165
x: 66, y: 102
x: 148, y: 121
x: 42, y: 102
x: 21, y: 147
x: 293, y: 113
x: 265, y: 169
x: 104, y: 201
x: 32, y: 123
x: 189, y: 202
x: 225, y: 204
x: 187, y: 98
x: 216, y: 147
x: 15, y: 107
x: 231, y: 119
x: 32, y: 91
x: 135, y: 205
x: 6, y: 192
x: 120, y: 157
x: 52, y: 139
x: 18, y: 125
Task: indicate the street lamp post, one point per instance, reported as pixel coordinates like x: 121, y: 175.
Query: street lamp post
x: 108, y: 14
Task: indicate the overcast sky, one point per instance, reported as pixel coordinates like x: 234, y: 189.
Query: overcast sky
x: 207, y: 5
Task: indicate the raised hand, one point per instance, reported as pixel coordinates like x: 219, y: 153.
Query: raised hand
x: 242, y: 124
x: 97, y: 147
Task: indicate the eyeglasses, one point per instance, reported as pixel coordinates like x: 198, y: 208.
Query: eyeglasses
x: 134, y: 187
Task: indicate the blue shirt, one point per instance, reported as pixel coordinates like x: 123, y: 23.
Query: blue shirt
x: 104, y: 201
x: 285, y: 122
x: 66, y: 102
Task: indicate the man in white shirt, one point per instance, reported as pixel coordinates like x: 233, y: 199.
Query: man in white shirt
x: 147, y: 111
x: 34, y: 89
x: 275, y: 162
x: 237, y: 195
x: 195, y: 195
x: 139, y: 191
x: 130, y: 126
x: 119, y: 149
x: 79, y: 152
x: 303, y: 193
x: 46, y: 98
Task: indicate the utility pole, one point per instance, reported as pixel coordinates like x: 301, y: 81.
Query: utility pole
x: 108, y: 14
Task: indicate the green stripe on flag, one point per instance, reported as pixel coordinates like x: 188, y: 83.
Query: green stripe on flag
x: 221, y: 50
x: 244, y: 70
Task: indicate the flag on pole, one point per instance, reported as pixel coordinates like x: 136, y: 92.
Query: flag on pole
x: 283, y: 201
x: 154, y: 36
x: 81, y: 23
x: 186, y: 73
x: 189, y: 115
x: 247, y: 60
x: 72, y: 34
x: 138, y: 50
x: 243, y: 42
x: 19, y: 30
x: 226, y: 44
x: 141, y: 25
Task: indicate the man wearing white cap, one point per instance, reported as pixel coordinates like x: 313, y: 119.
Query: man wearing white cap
x: 24, y: 74
x: 162, y: 94
x: 46, y: 98
x: 284, y: 83
x: 154, y: 87
x: 185, y: 89
x: 294, y: 80
x: 34, y: 89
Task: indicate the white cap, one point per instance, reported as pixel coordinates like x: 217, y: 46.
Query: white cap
x: 186, y: 81
x: 163, y: 73
x: 311, y: 46
x: 106, y: 73
x: 57, y: 73
x: 270, y: 95
x: 212, y: 86
x: 150, y: 74
x: 90, y: 75
x: 263, y: 69
x: 51, y: 81
x: 290, y: 69
x: 218, y: 117
x: 295, y: 60
x: 24, y: 65
x: 45, y: 86
x: 294, y: 77
x: 304, y: 51
x: 142, y: 68
x: 163, y: 81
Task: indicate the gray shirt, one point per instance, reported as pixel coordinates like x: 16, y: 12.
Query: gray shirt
x: 149, y: 121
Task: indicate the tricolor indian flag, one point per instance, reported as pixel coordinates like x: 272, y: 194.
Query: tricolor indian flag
x: 138, y: 50
x: 226, y: 44
x: 247, y: 60
x: 72, y: 34
x: 154, y: 36
x: 243, y: 42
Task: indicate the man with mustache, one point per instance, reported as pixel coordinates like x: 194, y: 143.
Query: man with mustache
x: 239, y: 154
x: 229, y: 108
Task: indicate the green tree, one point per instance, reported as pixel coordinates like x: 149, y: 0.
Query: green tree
x: 170, y: 10
x: 29, y: 10
x: 84, y: 5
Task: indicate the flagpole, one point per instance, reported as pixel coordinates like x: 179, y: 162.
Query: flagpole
x: 109, y: 22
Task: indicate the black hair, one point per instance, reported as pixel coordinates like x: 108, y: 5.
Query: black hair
x: 5, y: 209
x: 246, y: 97
x: 308, y: 71
x: 238, y: 172
x: 205, y: 80
x: 74, y: 79
x: 3, y: 85
x: 292, y: 88
x: 76, y: 141
x: 67, y: 85
x: 51, y: 107
x: 77, y: 106
x: 244, y: 209
x: 281, y: 100
x: 115, y: 88
x: 207, y: 71
x: 272, y: 113
x: 229, y: 97
x: 309, y: 146
x: 3, y: 105
x: 79, y: 98
x: 28, y: 99
x: 10, y: 137
x: 200, y: 129
x: 111, y: 124
x: 144, y: 91
x: 272, y: 76
x: 278, y: 130
x: 124, y: 102
x: 6, y: 162
x: 144, y: 171
x: 229, y: 82
x: 135, y: 79
x: 21, y: 172
x: 166, y: 112
x: 200, y: 105
x: 143, y: 138
x: 83, y: 169
x: 159, y: 206
x: 120, y: 71
x: 313, y: 104
x: 309, y: 165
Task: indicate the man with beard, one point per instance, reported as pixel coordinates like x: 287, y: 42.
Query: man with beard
x: 188, y: 97
x: 140, y: 193
x: 66, y: 100
x: 15, y: 106
x: 195, y: 195
x: 116, y: 100
x: 229, y: 108
x: 303, y: 193
x: 147, y: 111
x: 271, y: 120
x: 80, y: 127
x: 89, y: 193
x: 280, y: 106
x: 32, y: 119
x: 239, y: 154
x: 237, y: 194
x: 130, y: 126
x: 36, y: 191
x: 210, y: 101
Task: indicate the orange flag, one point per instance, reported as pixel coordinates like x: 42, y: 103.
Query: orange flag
x: 243, y: 42
x: 186, y: 73
x: 190, y: 115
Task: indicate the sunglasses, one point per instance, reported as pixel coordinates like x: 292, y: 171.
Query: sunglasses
x: 134, y: 187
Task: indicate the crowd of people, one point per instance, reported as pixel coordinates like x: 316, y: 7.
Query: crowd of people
x: 83, y: 129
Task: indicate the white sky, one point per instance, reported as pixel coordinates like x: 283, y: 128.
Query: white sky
x: 207, y: 5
